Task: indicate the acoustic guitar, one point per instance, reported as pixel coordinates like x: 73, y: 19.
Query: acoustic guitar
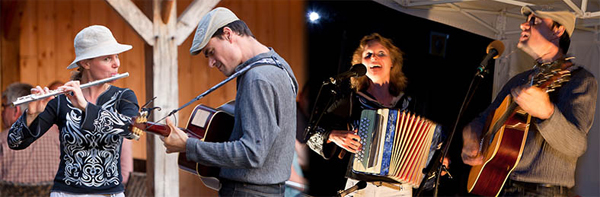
x: 506, y: 133
x: 206, y: 124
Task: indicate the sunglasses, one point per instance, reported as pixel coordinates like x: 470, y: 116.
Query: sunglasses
x: 533, y: 21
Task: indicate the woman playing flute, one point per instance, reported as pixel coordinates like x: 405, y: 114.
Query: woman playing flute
x: 92, y: 121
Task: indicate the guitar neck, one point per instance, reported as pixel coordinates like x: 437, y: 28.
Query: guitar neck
x: 159, y: 129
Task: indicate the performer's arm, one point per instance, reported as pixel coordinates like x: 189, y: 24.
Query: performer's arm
x: 324, y: 140
x: 566, y: 128
x: 317, y: 142
x: 33, y: 123
x: 110, y: 121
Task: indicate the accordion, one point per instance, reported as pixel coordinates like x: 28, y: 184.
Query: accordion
x: 395, y: 144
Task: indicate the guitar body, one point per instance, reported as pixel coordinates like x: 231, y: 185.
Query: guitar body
x: 502, y: 153
x: 209, y: 125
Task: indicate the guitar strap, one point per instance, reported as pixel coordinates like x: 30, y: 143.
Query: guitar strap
x: 270, y: 61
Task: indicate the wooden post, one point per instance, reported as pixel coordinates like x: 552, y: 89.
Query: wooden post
x: 163, y: 81
x: 162, y: 39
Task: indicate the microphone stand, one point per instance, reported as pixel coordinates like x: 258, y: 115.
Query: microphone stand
x: 435, y: 167
x: 312, y: 122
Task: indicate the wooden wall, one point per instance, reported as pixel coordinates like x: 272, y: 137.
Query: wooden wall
x: 45, y: 48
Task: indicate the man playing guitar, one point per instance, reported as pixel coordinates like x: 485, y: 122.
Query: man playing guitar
x: 257, y: 158
x: 560, y: 119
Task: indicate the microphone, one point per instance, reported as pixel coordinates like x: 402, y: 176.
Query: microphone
x: 356, y: 70
x: 360, y: 185
x: 493, y: 50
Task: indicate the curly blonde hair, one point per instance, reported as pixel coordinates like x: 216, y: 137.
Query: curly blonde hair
x: 397, y: 79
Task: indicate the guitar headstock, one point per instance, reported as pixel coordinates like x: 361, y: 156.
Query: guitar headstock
x: 552, y: 80
x: 138, y: 124
x: 552, y: 75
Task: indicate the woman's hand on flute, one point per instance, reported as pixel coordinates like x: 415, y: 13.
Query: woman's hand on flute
x: 75, y: 96
x: 34, y: 108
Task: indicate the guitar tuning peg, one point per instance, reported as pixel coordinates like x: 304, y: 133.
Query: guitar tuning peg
x: 140, y: 119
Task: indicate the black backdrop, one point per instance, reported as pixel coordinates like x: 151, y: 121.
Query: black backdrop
x: 439, y: 79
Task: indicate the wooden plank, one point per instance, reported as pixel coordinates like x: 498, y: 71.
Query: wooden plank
x: 11, y: 11
x: 187, y: 80
x: 28, y: 44
x: 298, y: 42
x: 80, y: 19
x: 45, y: 22
x: 9, y: 44
x: 64, y: 50
x: 280, y: 40
x: 189, y: 19
x: 135, y: 18
x: 98, y: 14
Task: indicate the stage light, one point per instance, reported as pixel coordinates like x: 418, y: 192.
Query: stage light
x: 313, y: 17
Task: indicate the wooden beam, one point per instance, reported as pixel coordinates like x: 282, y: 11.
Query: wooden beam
x: 189, y: 19
x: 135, y: 18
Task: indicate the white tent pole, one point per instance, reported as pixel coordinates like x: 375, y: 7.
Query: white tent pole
x: 574, y: 7
x: 584, y: 5
x: 592, y: 15
x: 465, y: 9
x: 513, y: 2
x: 409, y: 3
x: 501, y: 25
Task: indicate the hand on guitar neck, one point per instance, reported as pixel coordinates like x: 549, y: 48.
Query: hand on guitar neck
x: 176, y: 141
x: 173, y: 137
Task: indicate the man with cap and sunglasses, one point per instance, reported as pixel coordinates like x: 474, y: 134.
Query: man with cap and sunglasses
x: 257, y: 158
x: 560, y: 119
x: 92, y: 121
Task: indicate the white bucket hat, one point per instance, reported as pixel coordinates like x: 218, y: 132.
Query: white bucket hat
x: 95, y: 41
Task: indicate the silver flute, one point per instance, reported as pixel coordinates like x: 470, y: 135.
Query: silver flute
x: 35, y: 97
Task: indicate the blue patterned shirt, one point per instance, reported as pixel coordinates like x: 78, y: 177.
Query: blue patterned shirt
x: 90, y: 141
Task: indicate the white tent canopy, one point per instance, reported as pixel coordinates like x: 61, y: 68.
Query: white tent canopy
x: 500, y: 20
